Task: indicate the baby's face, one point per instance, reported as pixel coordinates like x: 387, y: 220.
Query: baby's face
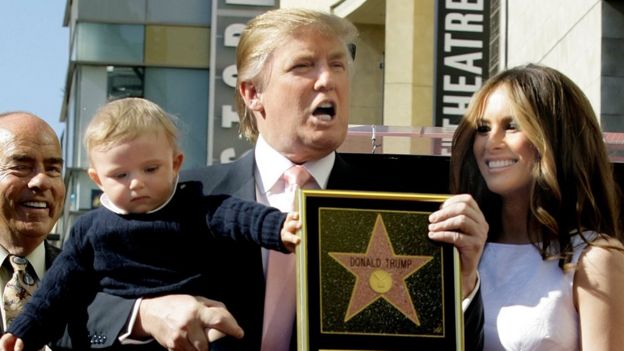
x: 137, y: 175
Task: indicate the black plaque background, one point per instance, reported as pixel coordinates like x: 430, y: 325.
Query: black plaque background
x: 318, y: 340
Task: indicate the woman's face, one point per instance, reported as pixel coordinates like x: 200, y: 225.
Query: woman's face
x: 503, y: 152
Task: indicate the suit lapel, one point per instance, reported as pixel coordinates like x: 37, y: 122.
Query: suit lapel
x: 242, y: 174
x: 340, y: 177
x: 51, y: 252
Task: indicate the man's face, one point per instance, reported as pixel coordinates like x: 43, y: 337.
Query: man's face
x: 303, y: 105
x: 31, y: 186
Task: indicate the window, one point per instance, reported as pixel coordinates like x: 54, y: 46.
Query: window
x: 184, y: 94
x: 108, y: 43
x: 124, y: 82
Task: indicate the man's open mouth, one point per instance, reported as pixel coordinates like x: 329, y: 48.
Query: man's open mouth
x: 325, y: 111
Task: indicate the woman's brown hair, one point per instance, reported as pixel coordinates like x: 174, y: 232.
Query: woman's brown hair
x: 574, y: 189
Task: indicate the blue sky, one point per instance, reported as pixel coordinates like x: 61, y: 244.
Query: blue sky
x: 34, y: 54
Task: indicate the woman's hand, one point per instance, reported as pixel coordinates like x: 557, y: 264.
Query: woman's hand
x: 460, y: 222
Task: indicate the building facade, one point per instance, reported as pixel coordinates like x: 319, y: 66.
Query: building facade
x: 175, y: 53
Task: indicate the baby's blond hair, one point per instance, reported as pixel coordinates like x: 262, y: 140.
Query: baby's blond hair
x: 125, y: 119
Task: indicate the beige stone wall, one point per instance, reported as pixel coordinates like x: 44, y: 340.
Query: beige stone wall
x: 367, y: 81
x: 408, y: 89
x: 568, y: 40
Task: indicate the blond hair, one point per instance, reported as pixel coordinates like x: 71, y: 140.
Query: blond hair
x: 264, y: 34
x: 125, y: 119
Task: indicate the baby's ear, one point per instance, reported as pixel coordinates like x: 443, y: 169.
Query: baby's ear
x: 177, y: 162
x: 94, y: 177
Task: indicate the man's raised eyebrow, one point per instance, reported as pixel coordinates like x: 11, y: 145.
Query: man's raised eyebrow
x: 298, y: 57
x: 338, y: 55
x: 27, y: 158
x: 54, y: 160
x: 21, y: 158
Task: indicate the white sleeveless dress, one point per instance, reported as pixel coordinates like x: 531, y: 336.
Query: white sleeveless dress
x: 527, y: 301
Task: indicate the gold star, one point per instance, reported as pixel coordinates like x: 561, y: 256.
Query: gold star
x: 380, y: 273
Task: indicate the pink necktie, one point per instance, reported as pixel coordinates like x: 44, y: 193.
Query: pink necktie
x: 279, y: 300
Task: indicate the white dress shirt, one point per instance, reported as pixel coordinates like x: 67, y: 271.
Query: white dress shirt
x: 270, y: 165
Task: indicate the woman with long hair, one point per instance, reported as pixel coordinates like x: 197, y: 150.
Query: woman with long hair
x: 530, y: 155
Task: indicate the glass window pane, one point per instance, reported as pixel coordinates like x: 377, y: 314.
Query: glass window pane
x: 91, y: 95
x: 69, y: 154
x: 110, y: 43
x: 177, y: 46
x: 184, y: 94
x: 124, y: 82
x: 119, y: 11
x: 196, y: 12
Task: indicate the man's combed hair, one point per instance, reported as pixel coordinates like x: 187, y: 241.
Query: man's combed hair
x: 264, y: 33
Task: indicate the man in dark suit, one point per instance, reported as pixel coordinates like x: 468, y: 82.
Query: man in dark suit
x: 293, y: 102
x: 32, y: 193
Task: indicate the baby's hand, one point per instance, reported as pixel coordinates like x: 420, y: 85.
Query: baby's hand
x: 10, y: 342
x: 289, y: 230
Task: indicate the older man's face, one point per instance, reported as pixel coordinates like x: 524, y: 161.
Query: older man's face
x: 32, y: 191
x: 305, y: 96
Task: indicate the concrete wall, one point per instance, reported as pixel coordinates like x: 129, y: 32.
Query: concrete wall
x: 612, y: 84
x: 408, y: 88
x: 568, y: 40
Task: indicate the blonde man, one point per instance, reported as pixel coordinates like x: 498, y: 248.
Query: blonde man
x: 294, y: 69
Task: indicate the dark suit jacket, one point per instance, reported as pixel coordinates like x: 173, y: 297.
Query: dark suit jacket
x: 238, y: 267
x: 50, y: 253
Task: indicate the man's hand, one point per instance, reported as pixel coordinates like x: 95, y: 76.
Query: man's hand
x: 184, y: 322
x: 460, y: 222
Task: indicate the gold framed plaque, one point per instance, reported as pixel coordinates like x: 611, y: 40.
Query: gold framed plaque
x: 369, y: 278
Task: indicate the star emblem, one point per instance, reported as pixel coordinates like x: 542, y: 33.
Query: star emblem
x: 380, y: 273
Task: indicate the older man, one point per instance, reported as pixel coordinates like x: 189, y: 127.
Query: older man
x: 32, y: 193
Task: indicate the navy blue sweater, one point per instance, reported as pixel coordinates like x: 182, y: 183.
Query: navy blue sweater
x: 143, y: 255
